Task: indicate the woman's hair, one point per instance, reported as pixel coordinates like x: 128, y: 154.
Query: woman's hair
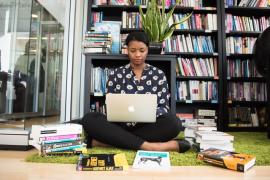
x: 137, y: 36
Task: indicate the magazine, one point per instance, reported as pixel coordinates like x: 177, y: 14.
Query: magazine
x: 155, y: 160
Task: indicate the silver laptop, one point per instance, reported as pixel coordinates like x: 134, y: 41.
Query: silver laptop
x: 131, y: 107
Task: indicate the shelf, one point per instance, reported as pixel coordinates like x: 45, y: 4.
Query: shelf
x: 177, y: 31
x: 243, y: 33
x: 196, y: 102
x: 247, y: 103
x: 247, y: 79
x: 192, y: 54
x: 128, y: 30
x: 136, y: 8
x: 239, y: 55
x: 195, y: 31
x: 248, y: 11
x: 201, y: 78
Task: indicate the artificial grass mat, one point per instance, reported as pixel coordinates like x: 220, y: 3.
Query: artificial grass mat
x: 255, y: 143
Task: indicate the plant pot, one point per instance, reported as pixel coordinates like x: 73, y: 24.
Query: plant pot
x: 155, y: 47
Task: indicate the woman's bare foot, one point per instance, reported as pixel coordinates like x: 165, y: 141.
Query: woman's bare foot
x: 160, y: 146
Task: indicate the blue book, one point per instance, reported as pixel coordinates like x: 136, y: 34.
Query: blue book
x: 114, y: 28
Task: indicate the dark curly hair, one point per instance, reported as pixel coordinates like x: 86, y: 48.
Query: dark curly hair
x: 137, y: 36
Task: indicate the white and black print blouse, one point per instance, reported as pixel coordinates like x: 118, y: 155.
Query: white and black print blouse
x: 153, y: 81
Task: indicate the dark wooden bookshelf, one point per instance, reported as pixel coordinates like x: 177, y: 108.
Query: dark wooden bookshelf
x: 165, y: 63
x: 114, y: 13
x: 246, y: 12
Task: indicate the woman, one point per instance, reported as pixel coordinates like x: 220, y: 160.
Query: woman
x: 137, y: 77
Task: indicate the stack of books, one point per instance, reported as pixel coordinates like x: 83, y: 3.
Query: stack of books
x: 214, y: 139
x: 204, y: 120
x: 97, y: 42
x: 57, y: 139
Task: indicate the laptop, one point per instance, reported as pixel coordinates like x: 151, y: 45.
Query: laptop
x: 131, y: 107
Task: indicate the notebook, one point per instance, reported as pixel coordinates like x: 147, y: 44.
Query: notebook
x: 131, y: 107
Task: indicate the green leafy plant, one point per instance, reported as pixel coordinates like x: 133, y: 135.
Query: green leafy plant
x: 155, y: 21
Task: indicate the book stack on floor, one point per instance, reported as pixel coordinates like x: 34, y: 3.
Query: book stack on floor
x: 57, y: 139
x: 97, y: 42
x: 227, y: 159
x: 204, y: 121
x: 214, y: 139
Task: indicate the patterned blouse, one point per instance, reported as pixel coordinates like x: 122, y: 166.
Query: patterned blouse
x: 153, y: 81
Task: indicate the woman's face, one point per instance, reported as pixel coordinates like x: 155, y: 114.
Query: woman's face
x: 137, y: 52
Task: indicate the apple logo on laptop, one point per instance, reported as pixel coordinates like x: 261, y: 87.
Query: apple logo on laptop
x: 131, y: 109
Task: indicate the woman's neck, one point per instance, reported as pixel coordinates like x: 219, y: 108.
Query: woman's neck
x: 137, y: 67
x: 138, y: 70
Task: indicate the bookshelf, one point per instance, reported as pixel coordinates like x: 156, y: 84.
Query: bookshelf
x: 202, y: 26
x: 165, y: 63
x: 206, y: 26
x: 245, y: 91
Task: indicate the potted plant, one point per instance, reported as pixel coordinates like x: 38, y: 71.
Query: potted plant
x: 155, y: 23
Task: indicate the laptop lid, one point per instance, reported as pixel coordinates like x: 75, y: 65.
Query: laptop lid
x: 131, y: 107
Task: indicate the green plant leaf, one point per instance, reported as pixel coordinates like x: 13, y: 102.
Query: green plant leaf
x: 155, y: 21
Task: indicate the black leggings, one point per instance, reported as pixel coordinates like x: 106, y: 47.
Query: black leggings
x: 120, y: 135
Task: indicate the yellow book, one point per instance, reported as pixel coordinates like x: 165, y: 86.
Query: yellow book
x: 102, y: 162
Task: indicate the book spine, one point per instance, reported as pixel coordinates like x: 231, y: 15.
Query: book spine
x: 61, y: 145
x: 61, y: 140
x: 105, y: 168
x: 59, y: 137
x: 63, y: 148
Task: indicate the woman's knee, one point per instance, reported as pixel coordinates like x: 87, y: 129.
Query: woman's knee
x: 91, y: 118
x: 172, y: 123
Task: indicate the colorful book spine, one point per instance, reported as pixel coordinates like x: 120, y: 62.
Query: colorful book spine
x: 59, y: 137
x: 63, y: 148
x: 61, y: 140
x: 61, y: 145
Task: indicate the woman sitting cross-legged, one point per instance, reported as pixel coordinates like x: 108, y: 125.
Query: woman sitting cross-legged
x: 137, y: 77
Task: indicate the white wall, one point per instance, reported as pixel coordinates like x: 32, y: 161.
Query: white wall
x: 56, y: 8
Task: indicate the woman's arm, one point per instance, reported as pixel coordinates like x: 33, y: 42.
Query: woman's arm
x: 111, y: 82
x: 163, y: 95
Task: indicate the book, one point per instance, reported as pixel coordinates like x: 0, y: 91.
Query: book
x: 39, y: 131
x: 226, y: 159
x: 152, y: 160
x: 102, y: 162
x: 114, y: 28
x: 213, y: 135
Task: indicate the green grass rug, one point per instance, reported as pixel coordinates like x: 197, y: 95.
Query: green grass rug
x: 254, y: 143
